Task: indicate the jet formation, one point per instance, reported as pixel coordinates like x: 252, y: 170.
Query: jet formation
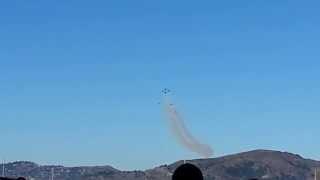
x: 166, y: 91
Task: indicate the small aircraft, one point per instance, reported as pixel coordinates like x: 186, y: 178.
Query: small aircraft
x: 166, y: 91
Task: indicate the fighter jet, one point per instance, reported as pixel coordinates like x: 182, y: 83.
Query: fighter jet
x: 166, y: 91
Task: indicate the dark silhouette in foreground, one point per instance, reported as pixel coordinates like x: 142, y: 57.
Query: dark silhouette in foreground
x: 6, y: 178
x: 187, y: 172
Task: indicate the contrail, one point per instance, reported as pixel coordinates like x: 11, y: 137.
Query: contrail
x: 181, y: 133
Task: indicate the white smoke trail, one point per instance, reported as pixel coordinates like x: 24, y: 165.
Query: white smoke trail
x: 181, y: 133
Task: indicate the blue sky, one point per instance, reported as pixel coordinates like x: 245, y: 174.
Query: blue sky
x: 80, y: 81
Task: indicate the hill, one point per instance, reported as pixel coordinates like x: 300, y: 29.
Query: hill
x: 264, y: 164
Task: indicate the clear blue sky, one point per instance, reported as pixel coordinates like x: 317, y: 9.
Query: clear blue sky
x: 80, y: 80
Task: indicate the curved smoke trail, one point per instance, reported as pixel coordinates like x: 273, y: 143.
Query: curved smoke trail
x: 181, y: 133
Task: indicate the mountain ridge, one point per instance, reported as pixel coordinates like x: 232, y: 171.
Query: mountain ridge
x: 263, y: 164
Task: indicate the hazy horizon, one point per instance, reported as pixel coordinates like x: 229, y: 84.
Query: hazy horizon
x: 147, y: 168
